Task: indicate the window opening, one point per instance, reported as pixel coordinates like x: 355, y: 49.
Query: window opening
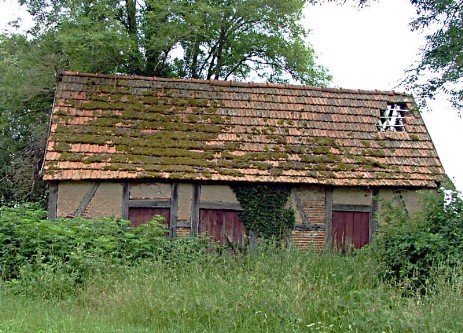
x: 393, y: 118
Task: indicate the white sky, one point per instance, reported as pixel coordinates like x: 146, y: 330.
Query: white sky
x: 370, y: 49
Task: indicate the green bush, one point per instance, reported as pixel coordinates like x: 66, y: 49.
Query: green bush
x: 411, y: 248
x: 30, y: 243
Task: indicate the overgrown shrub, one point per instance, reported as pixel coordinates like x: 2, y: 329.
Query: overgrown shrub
x: 412, y: 248
x: 49, y: 259
x: 30, y: 242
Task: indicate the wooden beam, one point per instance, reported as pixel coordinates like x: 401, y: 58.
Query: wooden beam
x: 149, y: 203
x: 86, y: 200
x: 173, y: 211
x: 252, y: 240
x: 53, y: 201
x: 220, y: 205
x: 309, y: 227
x: 328, y: 216
x: 352, y: 208
x: 125, y: 201
x: 374, y: 211
x: 195, y: 209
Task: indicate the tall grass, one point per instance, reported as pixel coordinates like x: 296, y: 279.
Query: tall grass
x: 265, y: 291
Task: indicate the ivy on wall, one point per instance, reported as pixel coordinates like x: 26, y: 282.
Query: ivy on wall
x: 264, y: 210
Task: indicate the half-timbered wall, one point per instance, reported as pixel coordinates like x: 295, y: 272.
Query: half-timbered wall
x: 410, y: 198
x: 314, y: 206
x: 88, y: 199
x: 309, y: 204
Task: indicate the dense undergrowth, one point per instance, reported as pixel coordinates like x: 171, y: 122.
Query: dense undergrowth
x: 263, y: 291
x: 411, y: 248
x: 102, y: 276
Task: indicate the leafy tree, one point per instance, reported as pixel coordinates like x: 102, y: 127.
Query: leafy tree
x: 207, y: 39
x: 442, y: 58
x: 232, y: 39
x: 26, y: 91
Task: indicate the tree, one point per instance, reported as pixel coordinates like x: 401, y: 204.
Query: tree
x: 26, y: 93
x: 441, y: 66
x: 232, y: 39
x: 207, y: 39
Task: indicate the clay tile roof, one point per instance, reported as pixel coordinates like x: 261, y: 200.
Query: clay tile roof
x: 131, y: 127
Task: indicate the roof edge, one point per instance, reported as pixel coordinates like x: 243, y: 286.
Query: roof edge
x: 237, y: 84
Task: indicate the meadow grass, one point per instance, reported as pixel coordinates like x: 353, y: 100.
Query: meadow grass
x: 265, y: 291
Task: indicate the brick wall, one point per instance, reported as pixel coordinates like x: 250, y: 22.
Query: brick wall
x: 306, y: 239
x: 183, y: 232
x: 313, y: 203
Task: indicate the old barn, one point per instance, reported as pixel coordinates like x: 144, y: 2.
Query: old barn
x: 132, y: 147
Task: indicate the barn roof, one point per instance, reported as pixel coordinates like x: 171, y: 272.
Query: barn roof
x: 131, y: 127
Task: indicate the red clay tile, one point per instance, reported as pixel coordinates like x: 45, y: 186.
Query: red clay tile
x: 279, y: 122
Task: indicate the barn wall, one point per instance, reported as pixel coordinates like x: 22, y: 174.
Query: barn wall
x: 107, y: 201
x: 185, y: 197
x: 384, y: 195
x: 308, y: 239
x: 70, y: 194
x: 313, y: 203
x: 293, y: 203
x: 150, y: 191
x: 183, y: 232
x: 352, y: 196
x: 411, y: 199
x: 309, y: 205
x: 308, y: 202
x: 218, y: 194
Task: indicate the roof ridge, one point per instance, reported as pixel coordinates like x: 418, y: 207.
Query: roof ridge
x: 240, y: 84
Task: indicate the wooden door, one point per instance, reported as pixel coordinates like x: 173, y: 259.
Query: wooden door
x: 350, y: 229
x: 140, y: 215
x: 224, y: 226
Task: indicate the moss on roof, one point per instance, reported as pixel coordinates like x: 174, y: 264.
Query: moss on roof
x: 107, y: 126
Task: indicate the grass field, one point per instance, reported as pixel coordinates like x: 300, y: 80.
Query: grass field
x: 267, y: 291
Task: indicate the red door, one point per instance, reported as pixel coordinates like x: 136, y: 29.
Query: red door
x: 222, y: 225
x: 350, y: 228
x: 140, y: 215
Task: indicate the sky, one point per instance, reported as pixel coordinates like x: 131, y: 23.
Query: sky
x: 368, y: 48
x: 371, y: 48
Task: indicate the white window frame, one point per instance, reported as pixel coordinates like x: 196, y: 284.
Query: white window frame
x: 393, y: 118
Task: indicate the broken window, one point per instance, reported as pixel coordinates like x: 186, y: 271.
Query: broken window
x: 392, y: 119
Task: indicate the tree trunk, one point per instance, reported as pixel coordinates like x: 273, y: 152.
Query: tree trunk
x: 135, y: 62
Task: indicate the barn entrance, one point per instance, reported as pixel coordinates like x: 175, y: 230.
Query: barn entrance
x: 350, y: 229
x: 224, y: 226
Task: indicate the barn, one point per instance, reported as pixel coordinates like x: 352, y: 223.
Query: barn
x: 133, y: 147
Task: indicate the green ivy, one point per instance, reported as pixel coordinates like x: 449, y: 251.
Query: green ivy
x: 264, y: 209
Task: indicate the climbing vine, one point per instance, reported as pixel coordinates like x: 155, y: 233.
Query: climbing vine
x: 264, y: 210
